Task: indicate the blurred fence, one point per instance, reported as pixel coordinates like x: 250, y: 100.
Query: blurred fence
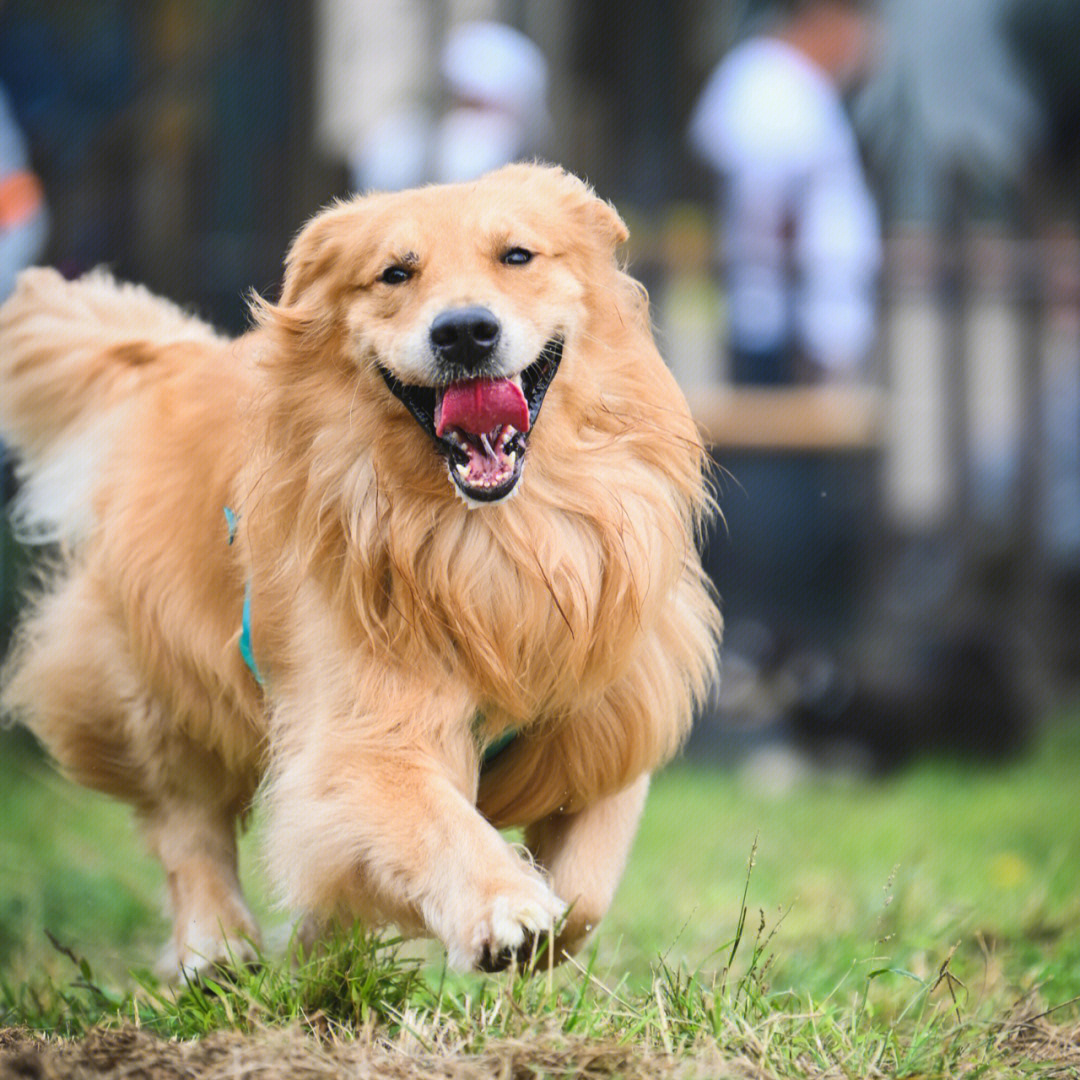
x: 956, y: 549
x: 981, y: 433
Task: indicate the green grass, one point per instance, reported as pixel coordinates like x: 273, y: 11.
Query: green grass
x: 917, y: 926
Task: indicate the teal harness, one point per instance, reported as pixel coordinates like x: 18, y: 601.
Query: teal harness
x: 245, y: 623
x: 493, y: 749
x: 490, y: 752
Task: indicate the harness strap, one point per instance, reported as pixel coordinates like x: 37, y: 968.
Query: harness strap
x: 232, y: 520
x: 245, y: 636
x: 494, y: 750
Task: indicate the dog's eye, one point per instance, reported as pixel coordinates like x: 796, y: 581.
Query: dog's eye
x: 395, y: 275
x: 517, y: 256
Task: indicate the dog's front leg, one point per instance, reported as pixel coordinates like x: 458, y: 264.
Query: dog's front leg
x: 375, y: 817
x: 585, y: 854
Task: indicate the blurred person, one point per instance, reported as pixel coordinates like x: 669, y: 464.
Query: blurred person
x: 23, y: 219
x: 801, y: 250
x: 497, y: 82
x: 23, y: 223
x: 802, y: 244
x: 23, y: 227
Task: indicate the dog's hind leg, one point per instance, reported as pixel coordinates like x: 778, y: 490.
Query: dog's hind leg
x: 69, y: 679
x: 585, y: 854
x: 192, y: 830
x: 73, y: 681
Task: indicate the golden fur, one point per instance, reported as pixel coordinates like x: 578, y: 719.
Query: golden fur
x: 386, y: 613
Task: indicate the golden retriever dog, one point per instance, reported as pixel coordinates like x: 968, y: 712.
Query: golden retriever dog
x: 440, y: 501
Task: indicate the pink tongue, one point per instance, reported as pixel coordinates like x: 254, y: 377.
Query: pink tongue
x: 482, y: 405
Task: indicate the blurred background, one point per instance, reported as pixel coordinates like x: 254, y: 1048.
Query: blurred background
x: 859, y: 224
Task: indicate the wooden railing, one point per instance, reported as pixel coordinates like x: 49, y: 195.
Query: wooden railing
x: 798, y: 418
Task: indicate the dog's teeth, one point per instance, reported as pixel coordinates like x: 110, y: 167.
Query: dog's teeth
x: 463, y: 470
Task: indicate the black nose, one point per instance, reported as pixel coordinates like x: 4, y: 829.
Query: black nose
x: 465, y: 337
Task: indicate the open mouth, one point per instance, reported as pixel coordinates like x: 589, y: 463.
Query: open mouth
x: 481, y: 426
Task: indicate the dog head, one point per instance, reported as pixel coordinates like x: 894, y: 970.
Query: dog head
x: 458, y: 304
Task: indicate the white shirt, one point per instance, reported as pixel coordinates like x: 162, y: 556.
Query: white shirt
x: 773, y: 126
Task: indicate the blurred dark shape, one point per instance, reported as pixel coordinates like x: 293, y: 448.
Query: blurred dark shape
x: 957, y: 89
x: 71, y: 68
x: 1044, y: 35
x: 13, y: 558
x: 931, y: 690
x: 870, y: 708
x: 7, y: 476
x: 170, y: 138
x: 748, y: 711
x: 794, y: 530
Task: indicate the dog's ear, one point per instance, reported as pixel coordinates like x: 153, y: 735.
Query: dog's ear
x: 317, y: 248
x: 600, y: 218
x: 606, y: 221
x: 315, y: 275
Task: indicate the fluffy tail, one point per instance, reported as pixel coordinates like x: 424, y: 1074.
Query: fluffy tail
x: 72, y: 353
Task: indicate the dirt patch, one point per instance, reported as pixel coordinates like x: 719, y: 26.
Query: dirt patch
x: 1026, y: 1047
x: 130, y: 1053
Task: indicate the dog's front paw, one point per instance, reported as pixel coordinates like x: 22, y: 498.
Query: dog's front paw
x: 210, y: 956
x: 507, y: 928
